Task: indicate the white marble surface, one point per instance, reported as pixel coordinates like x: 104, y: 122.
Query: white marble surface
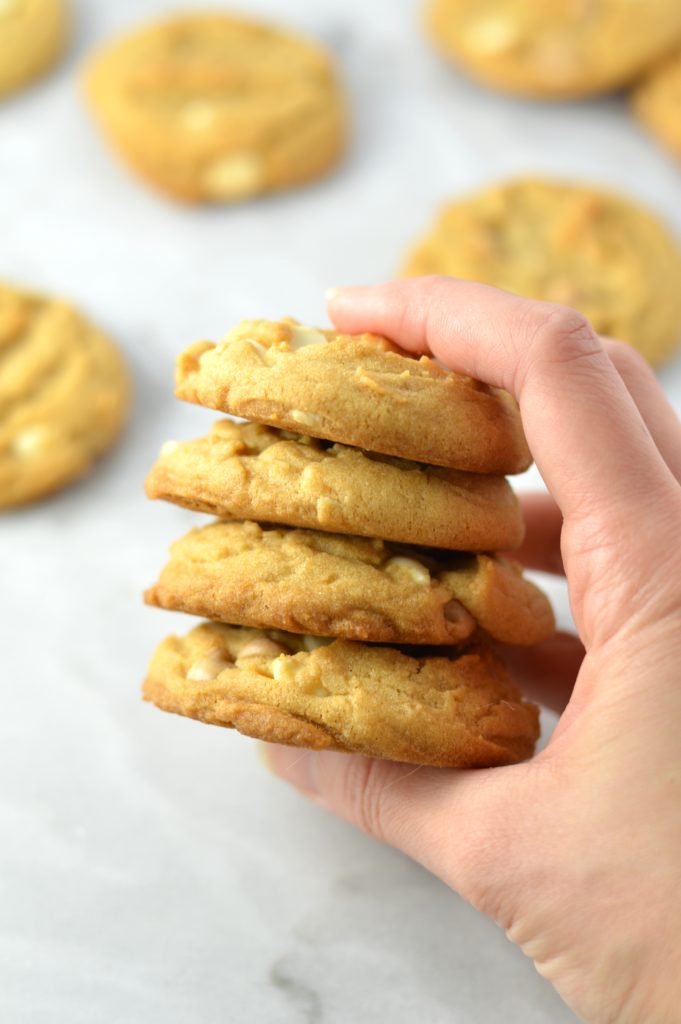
x: 150, y: 870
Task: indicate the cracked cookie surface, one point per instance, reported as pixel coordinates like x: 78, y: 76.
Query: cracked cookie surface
x: 251, y: 471
x: 32, y: 37
x: 213, y: 108
x: 559, y: 50
x: 64, y: 393
x: 356, y: 588
x: 460, y: 711
x: 600, y: 253
x: 359, y: 390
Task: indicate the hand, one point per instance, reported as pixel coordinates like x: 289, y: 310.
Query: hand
x: 577, y: 853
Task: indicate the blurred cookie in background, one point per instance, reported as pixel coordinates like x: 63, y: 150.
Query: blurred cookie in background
x: 212, y: 108
x: 32, y: 37
x: 558, y: 50
x: 657, y: 101
x: 64, y: 395
x: 600, y: 253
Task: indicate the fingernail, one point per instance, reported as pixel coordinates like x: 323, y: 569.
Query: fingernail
x: 293, y: 765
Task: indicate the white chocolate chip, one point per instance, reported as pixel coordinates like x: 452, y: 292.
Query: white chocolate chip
x: 302, y: 336
x: 489, y: 36
x: 210, y: 667
x: 311, y: 643
x: 282, y: 670
x: 328, y: 511
x: 263, y: 647
x: 30, y: 442
x: 168, y: 447
x: 198, y: 115
x: 234, y: 177
x: 313, y: 687
x: 285, y: 670
x: 307, y: 419
x: 416, y: 572
x: 262, y: 350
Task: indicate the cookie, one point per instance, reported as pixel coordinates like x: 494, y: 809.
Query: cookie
x: 32, y: 37
x: 460, y: 711
x: 657, y: 101
x: 356, y: 389
x: 213, y: 108
x: 249, y: 471
x: 64, y: 393
x: 304, y: 581
x: 606, y: 256
x: 555, y: 50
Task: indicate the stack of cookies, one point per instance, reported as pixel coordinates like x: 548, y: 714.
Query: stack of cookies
x: 350, y: 579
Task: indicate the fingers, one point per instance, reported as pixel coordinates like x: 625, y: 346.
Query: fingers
x: 439, y: 817
x: 657, y: 414
x: 543, y: 520
x: 546, y: 673
x: 577, y: 413
x: 543, y: 524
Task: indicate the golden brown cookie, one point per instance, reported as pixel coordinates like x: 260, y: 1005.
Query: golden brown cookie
x: 32, y: 37
x: 460, y: 711
x: 213, y: 108
x: 249, y: 471
x: 327, y: 584
x: 606, y: 256
x: 558, y: 49
x: 64, y: 394
x: 657, y: 101
x: 356, y: 389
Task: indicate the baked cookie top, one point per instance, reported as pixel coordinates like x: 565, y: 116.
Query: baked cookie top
x: 32, y: 36
x: 211, y: 107
x: 657, y: 101
x: 562, y: 49
x: 356, y: 389
x: 64, y: 393
x: 250, y: 471
x: 304, y: 581
x: 460, y: 711
x: 606, y: 256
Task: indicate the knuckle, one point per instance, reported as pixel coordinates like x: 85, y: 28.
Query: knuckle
x: 552, y: 336
x: 561, y: 334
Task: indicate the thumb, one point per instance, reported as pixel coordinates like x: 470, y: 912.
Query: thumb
x: 455, y: 823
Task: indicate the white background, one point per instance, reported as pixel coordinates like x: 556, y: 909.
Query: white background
x: 150, y: 869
